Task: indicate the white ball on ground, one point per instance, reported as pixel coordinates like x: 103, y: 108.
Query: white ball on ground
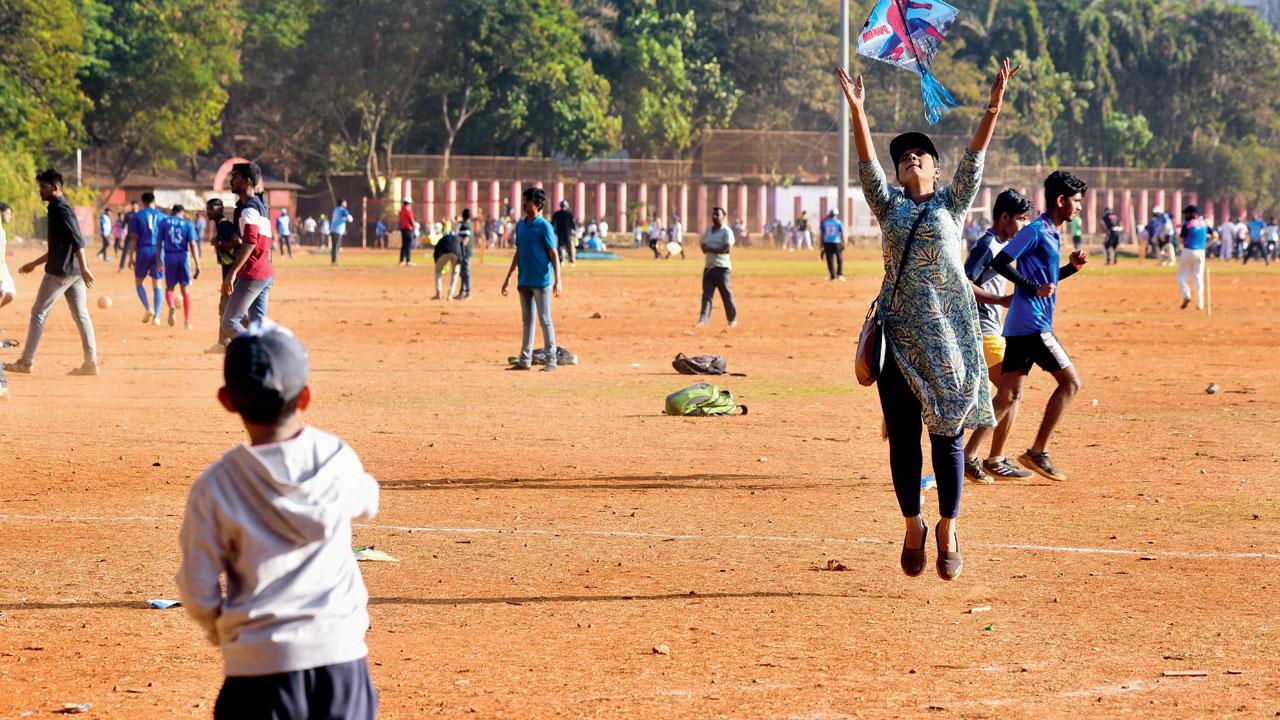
x: 104, y: 301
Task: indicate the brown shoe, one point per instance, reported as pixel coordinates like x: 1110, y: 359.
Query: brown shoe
x: 949, y: 564
x: 912, y: 559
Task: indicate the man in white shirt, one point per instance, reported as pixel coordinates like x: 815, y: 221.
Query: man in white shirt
x: 1226, y: 240
x: 309, y: 229
x: 718, y: 271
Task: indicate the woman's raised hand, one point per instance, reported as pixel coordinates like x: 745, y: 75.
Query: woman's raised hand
x: 1002, y: 80
x: 853, y: 89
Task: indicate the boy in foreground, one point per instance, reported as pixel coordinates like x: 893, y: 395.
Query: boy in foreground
x: 275, y: 517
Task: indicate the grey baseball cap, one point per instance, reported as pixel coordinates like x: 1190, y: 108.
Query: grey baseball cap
x: 265, y: 368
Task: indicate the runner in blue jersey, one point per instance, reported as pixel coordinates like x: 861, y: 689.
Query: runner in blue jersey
x: 144, y: 229
x: 1028, y: 328
x: 179, y: 242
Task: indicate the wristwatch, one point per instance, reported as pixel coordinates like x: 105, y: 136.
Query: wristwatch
x: 992, y: 109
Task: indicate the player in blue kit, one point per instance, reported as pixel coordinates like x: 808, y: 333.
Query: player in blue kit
x: 178, y: 242
x: 144, y: 229
x: 1028, y: 328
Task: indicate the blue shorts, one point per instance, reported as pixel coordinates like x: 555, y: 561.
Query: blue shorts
x: 176, y: 272
x: 144, y: 264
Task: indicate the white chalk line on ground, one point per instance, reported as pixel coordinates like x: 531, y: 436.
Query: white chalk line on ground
x: 640, y: 535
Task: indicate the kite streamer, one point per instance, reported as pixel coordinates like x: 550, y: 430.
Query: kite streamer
x: 907, y: 34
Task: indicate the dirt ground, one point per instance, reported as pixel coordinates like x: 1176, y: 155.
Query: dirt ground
x: 552, y: 530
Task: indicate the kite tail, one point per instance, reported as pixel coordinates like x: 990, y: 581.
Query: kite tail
x: 937, y: 101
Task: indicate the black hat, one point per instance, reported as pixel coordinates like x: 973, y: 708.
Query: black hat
x: 1191, y: 210
x: 264, y: 368
x: 911, y: 141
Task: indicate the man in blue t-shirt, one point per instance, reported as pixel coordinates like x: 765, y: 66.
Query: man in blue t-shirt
x: 539, y: 265
x: 338, y: 228
x: 833, y: 244
x: 1195, y: 238
x: 1028, y: 328
x: 144, y: 229
x: 1256, y: 244
x: 178, y: 242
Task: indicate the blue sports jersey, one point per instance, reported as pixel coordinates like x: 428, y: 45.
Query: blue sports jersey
x: 146, y: 225
x: 832, y: 230
x: 535, y: 248
x: 1036, y: 248
x: 177, y: 234
x: 1195, y: 234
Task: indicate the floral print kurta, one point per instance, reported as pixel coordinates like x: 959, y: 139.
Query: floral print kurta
x: 931, y: 327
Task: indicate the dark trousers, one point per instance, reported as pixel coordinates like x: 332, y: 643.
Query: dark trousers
x: 330, y: 692
x: 653, y: 245
x: 713, y: 279
x: 106, y: 245
x: 334, y: 247
x: 835, y: 259
x: 1256, y: 248
x: 465, y: 275
x: 124, y: 252
x: 406, y: 245
x: 287, y: 242
x: 903, y: 422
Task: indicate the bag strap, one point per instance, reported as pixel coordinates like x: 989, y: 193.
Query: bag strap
x: 902, y: 262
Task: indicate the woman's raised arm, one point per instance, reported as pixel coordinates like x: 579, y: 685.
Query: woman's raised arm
x: 987, y: 126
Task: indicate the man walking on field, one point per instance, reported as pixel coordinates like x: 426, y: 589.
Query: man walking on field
x: 717, y: 274
x: 66, y: 273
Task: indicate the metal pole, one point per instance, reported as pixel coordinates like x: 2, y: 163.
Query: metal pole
x: 842, y: 191
x: 79, y: 168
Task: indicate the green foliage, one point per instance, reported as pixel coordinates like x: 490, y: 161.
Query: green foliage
x: 1127, y: 137
x: 41, y: 46
x: 18, y: 189
x: 159, y: 81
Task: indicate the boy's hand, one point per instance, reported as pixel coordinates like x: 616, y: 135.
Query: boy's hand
x: 87, y: 275
x: 227, y: 285
x: 1045, y: 290
x: 1006, y: 301
x: 505, y: 283
x: 557, y: 289
x: 1079, y: 258
x: 27, y: 268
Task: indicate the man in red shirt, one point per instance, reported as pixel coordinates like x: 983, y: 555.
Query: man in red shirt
x: 406, y: 232
x: 249, y: 281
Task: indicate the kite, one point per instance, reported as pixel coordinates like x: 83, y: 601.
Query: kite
x: 907, y: 34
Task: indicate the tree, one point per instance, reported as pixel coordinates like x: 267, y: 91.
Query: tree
x: 655, y: 96
x: 159, y: 82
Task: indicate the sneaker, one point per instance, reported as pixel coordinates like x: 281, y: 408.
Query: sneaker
x: 733, y: 323
x: 1039, y: 462
x: 155, y: 320
x: 173, y: 318
x: 19, y: 366
x: 1002, y: 468
x: 520, y: 366
x: 147, y: 318
x: 186, y: 325
x: 973, y: 471
x: 4, y: 394
x: 9, y: 343
x: 1185, y: 303
x: 548, y: 368
x: 87, y: 369
x: 217, y: 349
x: 840, y: 278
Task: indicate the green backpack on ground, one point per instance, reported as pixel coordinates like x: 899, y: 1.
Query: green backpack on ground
x: 702, y: 399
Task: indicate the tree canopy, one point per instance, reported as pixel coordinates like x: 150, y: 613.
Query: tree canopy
x: 314, y: 87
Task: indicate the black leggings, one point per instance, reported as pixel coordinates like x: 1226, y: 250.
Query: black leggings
x: 903, y: 421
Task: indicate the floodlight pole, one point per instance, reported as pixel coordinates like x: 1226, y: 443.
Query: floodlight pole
x: 842, y: 191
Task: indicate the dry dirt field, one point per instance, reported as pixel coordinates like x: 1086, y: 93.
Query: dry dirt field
x: 552, y: 530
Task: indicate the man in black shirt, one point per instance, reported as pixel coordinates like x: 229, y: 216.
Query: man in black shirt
x: 465, y: 234
x: 66, y: 272
x: 563, y: 223
x: 122, y: 243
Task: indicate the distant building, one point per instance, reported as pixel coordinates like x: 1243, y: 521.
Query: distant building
x: 1268, y: 10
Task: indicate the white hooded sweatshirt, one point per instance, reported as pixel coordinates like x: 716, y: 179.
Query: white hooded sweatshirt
x: 276, y: 520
